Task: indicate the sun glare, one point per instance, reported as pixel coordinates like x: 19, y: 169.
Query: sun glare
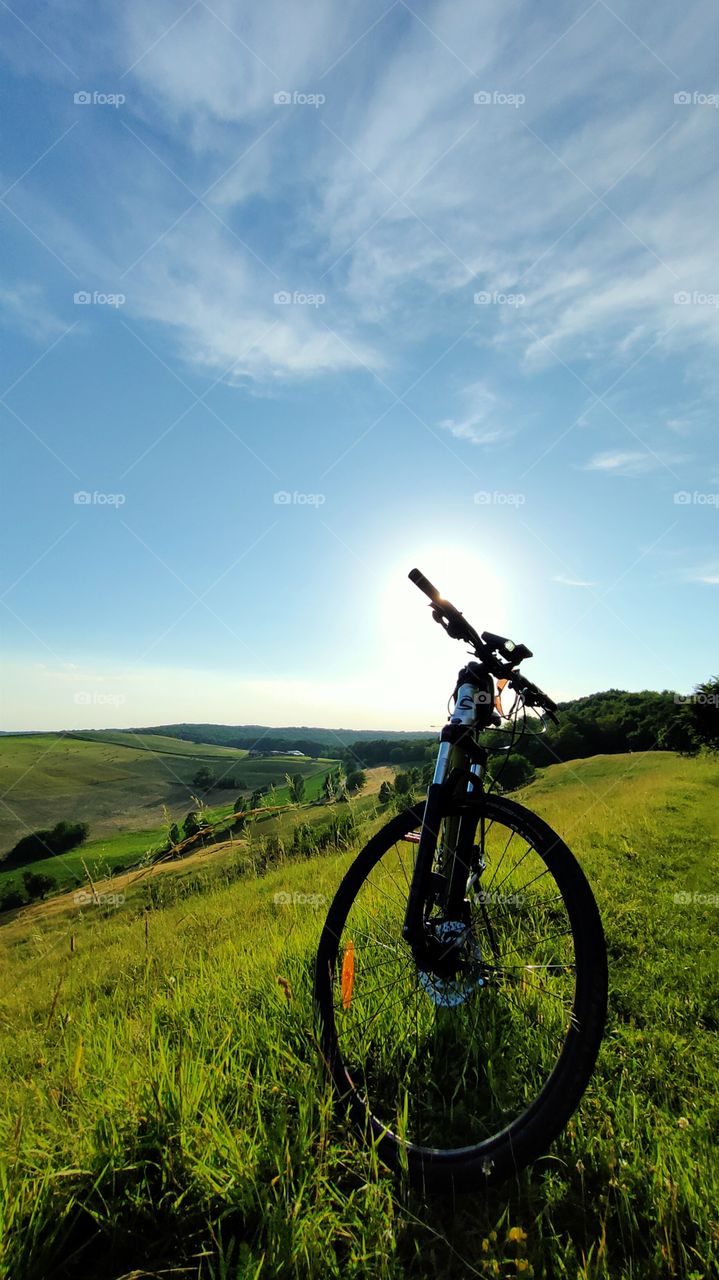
x: 416, y: 655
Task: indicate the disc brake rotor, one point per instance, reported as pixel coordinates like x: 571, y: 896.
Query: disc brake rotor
x: 453, y: 936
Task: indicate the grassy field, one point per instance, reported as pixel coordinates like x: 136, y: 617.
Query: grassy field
x: 163, y: 1111
x: 113, y: 853
x: 115, y: 781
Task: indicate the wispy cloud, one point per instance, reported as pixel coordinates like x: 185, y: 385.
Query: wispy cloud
x: 477, y: 422
x: 708, y: 575
x: 25, y: 308
x: 631, y: 462
x: 571, y: 582
x: 401, y: 194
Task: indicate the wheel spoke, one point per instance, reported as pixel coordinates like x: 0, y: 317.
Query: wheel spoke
x: 450, y: 1057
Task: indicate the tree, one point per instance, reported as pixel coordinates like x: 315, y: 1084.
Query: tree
x: 386, y: 793
x: 204, y: 779
x: 339, y: 781
x: 38, y: 885
x: 402, y: 784
x: 11, y: 900
x: 356, y: 780
x: 193, y: 824
x: 328, y: 788
x: 703, y: 713
x: 296, y: 786
x: 46, y: 843
x: 239, y: 808
x: 679, y: 735
x: 513, y: 771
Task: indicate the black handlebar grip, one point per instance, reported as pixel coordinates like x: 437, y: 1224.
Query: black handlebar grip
x: 424, y: 584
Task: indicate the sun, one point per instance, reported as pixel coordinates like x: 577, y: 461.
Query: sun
x: 417, y: 657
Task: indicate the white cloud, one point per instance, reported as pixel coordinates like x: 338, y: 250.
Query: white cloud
x: 221, y: 305
x: 571, y: 582
x: 478, y: 421
x: 630, y: 462
x: 483, y: 202
x: 24, y: 307
x: 709, y: 576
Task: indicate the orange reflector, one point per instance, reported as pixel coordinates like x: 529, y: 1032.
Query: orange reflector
x: 348, y: 974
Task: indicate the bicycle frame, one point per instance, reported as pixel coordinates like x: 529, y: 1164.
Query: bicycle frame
x: 458, y: 775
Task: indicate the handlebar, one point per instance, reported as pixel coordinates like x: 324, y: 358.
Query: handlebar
x: 486, y: 646
x: 424, y: 585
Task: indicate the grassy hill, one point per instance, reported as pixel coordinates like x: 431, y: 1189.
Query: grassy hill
x: 250, y: 735
x: 162, y: 1110
x: 115, y: 781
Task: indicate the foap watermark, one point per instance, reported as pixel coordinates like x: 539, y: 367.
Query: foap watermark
x: 93, y: 698
x: 692, y: 898
x: 497, y: 299
x: 495, y: 98
x: 697, y: 699
x: 491, y: 897
x: 83, y: 498
x: 283, y: 498
x: 683, y: 498
x: 695, y: 99
x: 96, y: 98
x: 283, y: 298
x: 696, y: 299
x: 84, y: 298
x: 495, y: 498
x: 85, y: 898
x: 298, y: 98
x: 299, y: 899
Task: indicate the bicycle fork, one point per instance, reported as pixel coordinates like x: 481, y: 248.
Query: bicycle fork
x: 461, y: 839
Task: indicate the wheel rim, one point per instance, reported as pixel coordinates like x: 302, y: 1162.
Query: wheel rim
x: 449, y: 1057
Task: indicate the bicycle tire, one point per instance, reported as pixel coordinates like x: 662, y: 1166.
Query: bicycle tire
x: 531, y: 1133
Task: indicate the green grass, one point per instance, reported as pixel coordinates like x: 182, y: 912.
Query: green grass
x: 100, y: 857
x: 116, y: 781
x: 163, y: 1111
x: 104, y: 857
x: 159, y: 743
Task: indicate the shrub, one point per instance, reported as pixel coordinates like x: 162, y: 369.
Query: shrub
x: 11, y: 900
x: 38, y: 885
x: 46, y: 843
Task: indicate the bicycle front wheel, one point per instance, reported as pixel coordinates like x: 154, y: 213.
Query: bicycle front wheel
x: 464, y: 1067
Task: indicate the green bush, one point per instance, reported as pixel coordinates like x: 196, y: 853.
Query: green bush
x: 38, y: 885
x: 47, y: 843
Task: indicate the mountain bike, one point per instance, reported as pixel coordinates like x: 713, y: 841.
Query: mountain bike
x: 461, y: 974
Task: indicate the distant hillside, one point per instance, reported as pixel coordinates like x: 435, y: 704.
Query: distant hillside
x: 117, y: 781
x: 610, y: 722
x: 326, y: 742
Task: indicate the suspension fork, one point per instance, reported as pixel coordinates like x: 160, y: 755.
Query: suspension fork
x: 459, y: 830
x: 429, y: 835
x: 462, y: 831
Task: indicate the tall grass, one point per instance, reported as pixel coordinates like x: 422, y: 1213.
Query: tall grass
x: 163, y: 1110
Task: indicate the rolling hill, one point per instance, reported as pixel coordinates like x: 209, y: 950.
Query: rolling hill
x: 162, y: 1109
x: 114, y: 780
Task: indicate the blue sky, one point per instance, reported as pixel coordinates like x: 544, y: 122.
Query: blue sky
x: 294, y: 298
